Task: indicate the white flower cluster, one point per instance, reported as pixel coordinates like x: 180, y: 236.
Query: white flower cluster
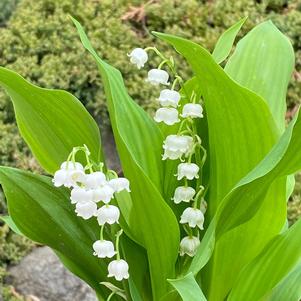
x: 179, y: 146
x: 91, y: 193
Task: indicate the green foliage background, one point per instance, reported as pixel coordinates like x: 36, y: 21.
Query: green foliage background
x: 39, y: 41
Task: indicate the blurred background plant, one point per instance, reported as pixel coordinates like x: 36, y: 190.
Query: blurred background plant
x: 39, y: 41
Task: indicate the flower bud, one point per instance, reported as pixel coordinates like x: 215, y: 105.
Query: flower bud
x: 183, y: 194
x: 103, y: 248
x: 194, y: 217
x: 118, y: 269
x: 86, y: 209
x: 104, y: 193
x: 188, y: 170
x: 192, y: 110
x: 175, y: 146
x: 169, y: 98
x: 120, y: 184
x: 138, y: 57
x: 108, y: 214
x: 189, y: 246
x: 157, y: 76
x: 167, y: 115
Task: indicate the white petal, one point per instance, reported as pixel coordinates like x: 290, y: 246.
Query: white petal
x: 189, y: 245
x: 120, y: 184
x: 158, y: 76
x: 95, y: 180
x: 169, y: 98
x: 108, y: 214
x: 118, y: 269
x: 86, y: 209
x: 59, y: 178
x: 103, y: 248
x: 79, y: 194
x: 192, y: 110
x: 183, y: 194
x: 104, y: 193
x: 167, y: 115
x: 138, y: 57
x: 188, y: 170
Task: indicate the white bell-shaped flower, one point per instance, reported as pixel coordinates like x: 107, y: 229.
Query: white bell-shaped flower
x: 176, y: 145
x: 82, y: 195
x: 103, y: 193
x: 192, y: 110
x: 188, y: 170
x: 95, y: 180
x: 71, y: 166
x: 103, y: 249
x: 183, y: 194
x: 69, y: 174
x: 118, y: 269
x: 189, y: 245
x: 60, y: 178
x: 86, y: 209
x: 169, y: 98
x: 157, y: 76
x: 108, y: 214
x: 138, y: 57
x: 194, y: 217
x: 169, y: 116
x: 120, y: 184
x: 76, y: 177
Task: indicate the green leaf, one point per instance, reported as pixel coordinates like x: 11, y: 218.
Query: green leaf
x: 188, y: 288
x: 288, y: 289
x: 263, y: 62
x: 277, y: 259
x: 9, y: 221
x: 241, y: 133
x: 44, y: 214
x: 235, y: 115
x: 283, y: 159
x: 51, y: 122
x: 225, y: 42
x: 139, y: 143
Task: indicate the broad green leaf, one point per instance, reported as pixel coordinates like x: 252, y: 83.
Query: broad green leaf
x: 257, y: 51
x: 9, y: 221
x: 263, y: 61
x: 188, y: 288
x: 288, y: 289
x: 51, y: 122
x: 44, y: 214
x: 139, y: 282
x: 277, y: 259
x: 139, y: 143
x: 235, y: 116
x: 225, y: 42
x: 241, y: 132
x: 284, y: 159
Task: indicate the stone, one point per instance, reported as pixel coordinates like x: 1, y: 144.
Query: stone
x: 40, y: 276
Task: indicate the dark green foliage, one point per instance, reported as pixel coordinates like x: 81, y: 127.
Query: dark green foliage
x: 41, y: 44
x: 6, y: 9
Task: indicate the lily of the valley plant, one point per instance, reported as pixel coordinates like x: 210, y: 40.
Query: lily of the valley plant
x: 200, y: 210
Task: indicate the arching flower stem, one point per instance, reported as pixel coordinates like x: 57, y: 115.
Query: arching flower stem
x: 101, y: 231
x: 117, y: 244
